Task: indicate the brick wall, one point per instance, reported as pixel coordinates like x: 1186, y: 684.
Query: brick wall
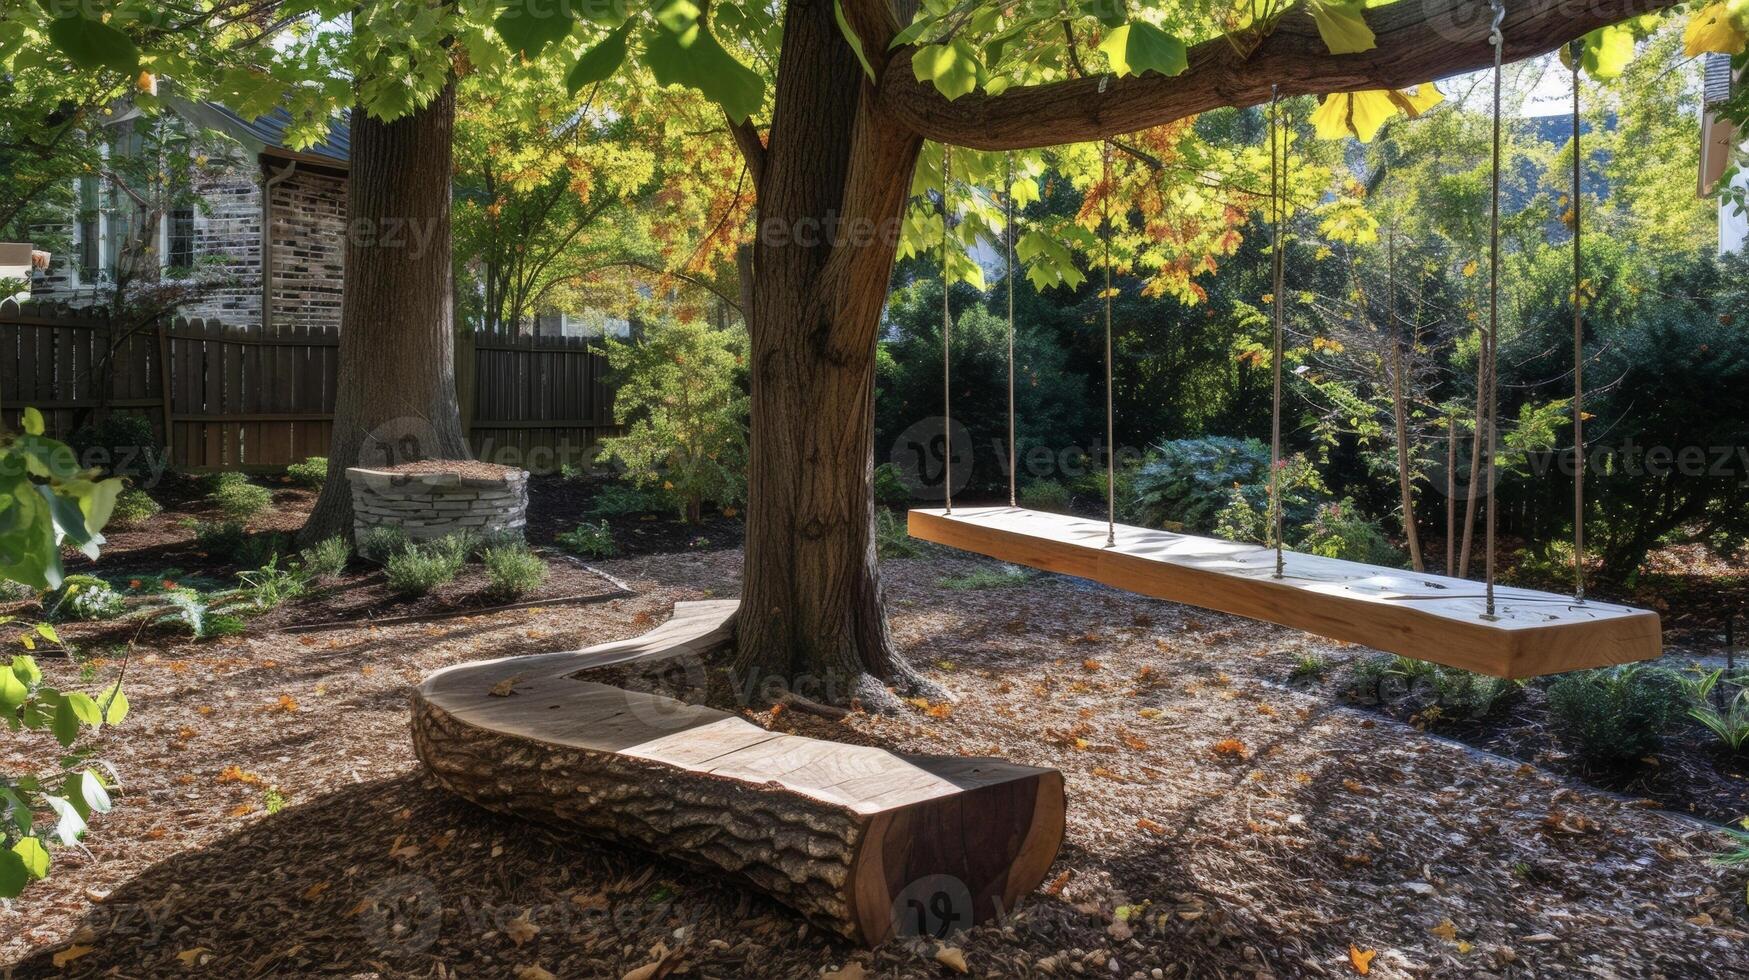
x: 309, y: 249
x: 227, y: 233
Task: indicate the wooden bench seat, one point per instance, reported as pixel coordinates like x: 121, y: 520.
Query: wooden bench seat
x: 865, y: 842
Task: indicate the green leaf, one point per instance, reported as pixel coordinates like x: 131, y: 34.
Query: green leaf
x: 13, y: 874
x: 953, y: 67
x: 35, y: 856
x: 1342, y: 26
x: 25, y: 669
x: 695, y: 59
x: 1139, y: 46
x: 92, y: 44
x: 851, y: 38
x: 1111, y: 13
x: 114, y: 703
x: 600, y: 61
x: 528, y: 26
x: 65, y: 725
x: 32, y: 420
x: 12, y: 691
x: 1605, y: 52
x: 69, y: 825
x: 48, y: 633
x: 85, y: 709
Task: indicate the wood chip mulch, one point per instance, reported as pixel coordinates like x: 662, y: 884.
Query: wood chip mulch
x: 1220, y: 823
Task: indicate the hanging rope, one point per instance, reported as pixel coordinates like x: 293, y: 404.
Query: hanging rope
x: 1491, y: 348
x: 1008, y: 238
x: 1110, y: 426
x: 946, y: 343
x: 1277, y: 177
x: 1578, y: 360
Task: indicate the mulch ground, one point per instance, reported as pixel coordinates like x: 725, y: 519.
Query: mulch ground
x: 1220, y: 824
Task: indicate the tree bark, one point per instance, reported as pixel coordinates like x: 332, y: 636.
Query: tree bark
x: 395, y: 396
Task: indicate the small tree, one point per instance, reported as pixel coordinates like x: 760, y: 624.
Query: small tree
x: 680, y: 398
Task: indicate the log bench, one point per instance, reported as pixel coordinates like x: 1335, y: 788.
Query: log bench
x: 862, y: 841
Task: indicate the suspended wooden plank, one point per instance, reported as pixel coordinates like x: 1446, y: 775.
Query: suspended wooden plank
x: 863, y: 841
x: 1426, y: 617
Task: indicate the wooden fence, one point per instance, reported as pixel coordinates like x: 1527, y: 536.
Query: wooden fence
x: 224, y: 397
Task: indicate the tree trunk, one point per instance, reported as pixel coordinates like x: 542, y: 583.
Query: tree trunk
x: 832, y: 187
x: 396, y: 394
x: 1405, y: 479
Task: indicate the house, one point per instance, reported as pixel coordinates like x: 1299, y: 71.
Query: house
x: 1720, y: 142
x: 260, y: 229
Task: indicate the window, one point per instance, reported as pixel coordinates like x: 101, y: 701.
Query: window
x: 89, y: 248
x: 179, y: 239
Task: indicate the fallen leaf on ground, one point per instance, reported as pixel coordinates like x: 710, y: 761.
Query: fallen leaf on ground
x: 536, y: 972
x: 1445, y: 930
x: 664, y: 963
x: 315, y: 891
x: 190, y: 957
x: 952, y: 958
x: 851, y: 971
x: 1056, y: 886
x: 1230, y: 747
x: 505, y: 687
x: 1361, y: 959
x: 1151, y: 826
x: 520, y: 930
x: 68, y: 955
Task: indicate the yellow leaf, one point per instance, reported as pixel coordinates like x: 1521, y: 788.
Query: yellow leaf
x: 1342, y: 27
x: 952, y: 958
x: 1363, y: 113
x: 1711, y: 29
x: 71, y: 953
x: 190, y: 957
x: 1470, y: 268
x: 1445, y: 930
x: 1361, y: 959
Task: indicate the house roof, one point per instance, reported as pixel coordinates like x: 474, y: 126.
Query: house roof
x: 266, y: 136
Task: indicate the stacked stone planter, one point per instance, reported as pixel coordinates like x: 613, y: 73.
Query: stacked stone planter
x: 429, y: 500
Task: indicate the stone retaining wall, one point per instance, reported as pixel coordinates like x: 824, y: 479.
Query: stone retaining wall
x: 431, y: 505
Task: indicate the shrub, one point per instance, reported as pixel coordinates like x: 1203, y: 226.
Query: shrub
x: 380, y: 542
x: 1463, y: 695
x: 415, y: 571
x: 327, y: 558
x: 1044, y: 495
x: 312, y: 472
x: 84, y: 597
x: 514, y: 571
x: 238, y: 498
x: 219, y: 537
x: 621, y: 499
x: 889, y: 488
x: 267, y: 587
x: 122, y: 444
x: 1614, y: 715
x: 1730, y: 725
x: 679, y: 397
x: 892, y: 540
x: 1340, y: 530
x: 133, y: 506
x: 1189, y: 482
x: 1309, y: 666
x: 589, y: 540
x: 456, y: 547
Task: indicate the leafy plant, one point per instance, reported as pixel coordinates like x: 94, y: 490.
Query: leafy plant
x: 621, y: 499
x: 219, y: 537
x: 1309, y: 666
x: 71, y: 790
x: 1048, y: 495
x: 513, y: 570
x: 312, y: 472
x: 133, y: 506
x: 456, y: 547
x: 892, y: 540
x: 685, y: 415
x: 83, y: 597
x: 269, y: 586
x: 379, y: 543
x: 983, y: 578
x: 889, y: 488
x: 1614, y: 715
x: 416, y: 570
x: 238, y: 498
x: 1731, y: 725
x: 1464, y: 695
x: 327, y: 558
x: 1190, y: 482
x: 589, y: 540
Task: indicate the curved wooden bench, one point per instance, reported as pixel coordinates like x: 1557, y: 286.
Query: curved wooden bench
x: 865, y: 842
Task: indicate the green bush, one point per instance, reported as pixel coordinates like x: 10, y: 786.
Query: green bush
x: 312, y: 472
x: 1340, y: 530
x: 1615, y: 715
x: 456, y: 547
x: 514, y: 571
x: 1463, y: 695
x: 1191, y: 482
x: 622, y: 499
x: 378, y: 543
x: 1309, y: 666
x: 889, y: 488
x: 83, y: 597
x: 1730, y: 725
x: 219, y: 537
x: 238, y: 498
x: 327, y: 558
x: 589, y: 540
x: 1046, y: 495
x: 270, y: 586
x: 893, y: 540
x: 122, y: 444
x: 133, y: 506
x: 679, y: 397
x: 415, y: 570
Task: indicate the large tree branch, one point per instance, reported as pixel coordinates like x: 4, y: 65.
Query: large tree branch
x: 752, y: 148
x: 1418, y: 40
